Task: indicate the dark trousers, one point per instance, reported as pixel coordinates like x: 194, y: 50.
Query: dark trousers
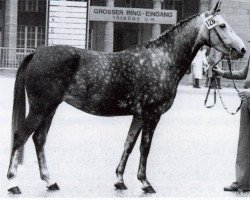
x: 243, y: 153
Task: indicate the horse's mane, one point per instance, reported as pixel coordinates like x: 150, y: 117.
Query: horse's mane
x: 163, y: 37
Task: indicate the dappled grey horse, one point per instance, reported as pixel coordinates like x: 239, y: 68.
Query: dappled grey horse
x: 140, y: 81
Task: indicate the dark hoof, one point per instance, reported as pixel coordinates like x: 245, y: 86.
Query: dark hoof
x: 120, y: 186
x: 54, y: 187
x: 148, y: 189
x: 230, y: 189
x: 15, y: 190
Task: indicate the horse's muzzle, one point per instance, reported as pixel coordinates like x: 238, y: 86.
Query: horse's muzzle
x: 238, y: 54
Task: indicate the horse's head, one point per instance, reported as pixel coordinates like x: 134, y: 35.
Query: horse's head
x: 219, y: 35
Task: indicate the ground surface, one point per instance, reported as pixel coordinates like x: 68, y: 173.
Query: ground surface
x: 192, y: 155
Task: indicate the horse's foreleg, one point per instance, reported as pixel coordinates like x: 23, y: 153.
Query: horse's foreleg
x: 39, y: 139
x: 31, y: 123
x: 133, y: 134
x: 149, y: 125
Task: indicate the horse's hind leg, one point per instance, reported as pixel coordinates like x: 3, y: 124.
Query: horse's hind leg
x: 39, y: 138
x: 31, y: 123
x: 133, y: 134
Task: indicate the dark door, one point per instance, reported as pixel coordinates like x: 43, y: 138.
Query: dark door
x: 125, y: 35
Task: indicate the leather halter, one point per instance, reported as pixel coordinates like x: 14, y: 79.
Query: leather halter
x: 214, y: 77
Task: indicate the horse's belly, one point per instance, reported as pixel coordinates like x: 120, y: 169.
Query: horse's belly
x: 98, y: 105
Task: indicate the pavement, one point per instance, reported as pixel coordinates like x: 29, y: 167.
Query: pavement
x: 192, y: 155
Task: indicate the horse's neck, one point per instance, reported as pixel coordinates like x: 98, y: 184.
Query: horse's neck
x: 182, y: 45
x: 214, y: 56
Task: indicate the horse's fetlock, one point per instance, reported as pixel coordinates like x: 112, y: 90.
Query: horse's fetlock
x: 10, y: 175
x: 141, y: 177
x: 118, y: 172
x: 44, y: 177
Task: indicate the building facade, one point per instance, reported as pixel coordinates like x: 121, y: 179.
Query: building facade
x: 116, y: 36
x: 23, y: 23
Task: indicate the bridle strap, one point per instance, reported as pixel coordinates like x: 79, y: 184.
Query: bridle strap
x: 214, y: 78
x: 222, y: 41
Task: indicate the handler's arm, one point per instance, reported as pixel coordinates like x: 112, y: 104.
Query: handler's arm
x: 240, y: 74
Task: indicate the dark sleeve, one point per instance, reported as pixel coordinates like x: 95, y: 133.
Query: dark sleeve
x: 240, y: 74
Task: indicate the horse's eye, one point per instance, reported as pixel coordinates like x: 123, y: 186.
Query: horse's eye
x: 222, y: 26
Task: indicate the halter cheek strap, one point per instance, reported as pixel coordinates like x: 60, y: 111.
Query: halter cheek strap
x: 221, y: 40
x: 218, y: 35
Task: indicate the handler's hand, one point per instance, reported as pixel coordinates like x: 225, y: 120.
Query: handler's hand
x: 218, y: 71
x: 244, y: 95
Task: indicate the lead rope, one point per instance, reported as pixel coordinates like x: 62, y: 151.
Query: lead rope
x: 235, y: 87
x: 214, y: 77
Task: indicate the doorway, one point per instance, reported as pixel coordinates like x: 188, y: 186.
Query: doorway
x: 125, y: 35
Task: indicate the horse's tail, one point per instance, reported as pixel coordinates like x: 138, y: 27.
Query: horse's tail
x: 19, y: 105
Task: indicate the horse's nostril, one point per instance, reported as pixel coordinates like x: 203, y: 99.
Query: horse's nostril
x: 243, y: 51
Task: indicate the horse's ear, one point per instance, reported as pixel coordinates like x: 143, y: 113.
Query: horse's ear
x: 215, y: 9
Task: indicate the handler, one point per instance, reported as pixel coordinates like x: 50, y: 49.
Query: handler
x: 243, y: 152
x: 197, y: 66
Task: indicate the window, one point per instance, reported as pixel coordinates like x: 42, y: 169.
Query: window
x: 40, y: 36
x: 134, y: 3
x: 90, y: 42
x: 21, y: 5
x: 30, y: 36
x: 20, y: 37
x: 174, y: 5
x: 169, y: 4
x: 32, y: 5
x: 41, y: 6
x: 2, y: 4
x: 178, y: 5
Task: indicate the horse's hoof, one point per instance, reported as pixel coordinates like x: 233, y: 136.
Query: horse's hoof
x: 148, y: 189
x: 15, y: 190
x: 120, y: 186
x: 54, y: 187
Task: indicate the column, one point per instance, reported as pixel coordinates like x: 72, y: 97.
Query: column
x: 156, y: 28
x: 10, y: 30
x: 109, y: 31
x: 10, y: 37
